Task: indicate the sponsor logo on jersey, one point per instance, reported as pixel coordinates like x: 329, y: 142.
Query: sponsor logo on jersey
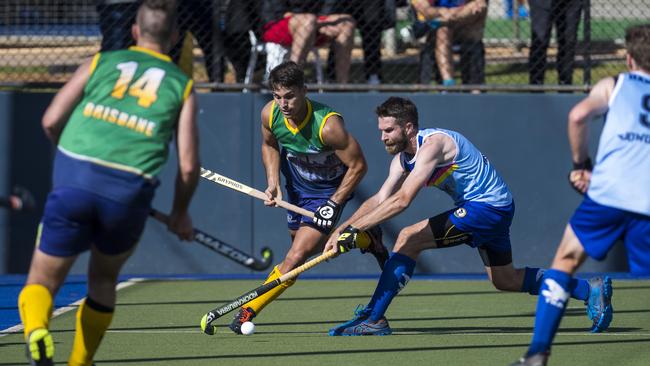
x: 633, y: 136
x: 312, y: 149
x: 115, y: 116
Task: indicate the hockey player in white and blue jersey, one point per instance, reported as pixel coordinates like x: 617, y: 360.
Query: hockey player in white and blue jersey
x: 617, y: 200
x: 481, y: 219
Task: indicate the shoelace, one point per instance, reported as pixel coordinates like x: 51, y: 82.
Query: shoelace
x: 358, y: 312
x: 245, y: 316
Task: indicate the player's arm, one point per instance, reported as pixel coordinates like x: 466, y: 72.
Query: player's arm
x: 594, y: 105
x: 270, y: 158
x: 187, y: 146
x: 431, y: 154
x: 57, y: 113
x: 393, y: 182
x: 347, y: 149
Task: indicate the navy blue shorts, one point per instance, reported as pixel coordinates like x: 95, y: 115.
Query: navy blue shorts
x: 75, y: 218
x: 489, y: 225
x: 598, y: 228
x: 294, y: 220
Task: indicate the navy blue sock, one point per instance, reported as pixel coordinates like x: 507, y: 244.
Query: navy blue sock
x: 578, y: 288
x: 532, y: 280
x: 553, y: 299
x: 396, y: 274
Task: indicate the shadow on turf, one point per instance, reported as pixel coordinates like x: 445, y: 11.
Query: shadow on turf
x: 12, y: 344
x: 570, y: 312
x: 267, y: 355
x: 394, y: 320
x: 630, y: 287
x: 491, y: 330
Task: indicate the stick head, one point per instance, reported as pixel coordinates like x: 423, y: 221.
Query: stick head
x: 207, y: 328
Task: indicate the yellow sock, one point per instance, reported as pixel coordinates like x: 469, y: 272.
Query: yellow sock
x: 35, y: 307
x: 92, y: 321
x: 260, y: 303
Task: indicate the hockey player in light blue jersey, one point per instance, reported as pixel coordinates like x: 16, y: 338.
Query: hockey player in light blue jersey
x: 616, y: 204
x: 481, y: 219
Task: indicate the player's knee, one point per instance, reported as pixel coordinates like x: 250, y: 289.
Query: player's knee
x: 100, y: 279
x: 347, y: 25
x: 295, y: 257
x: 505, y: 284
x: 405, y: 243
x: 303, y: 23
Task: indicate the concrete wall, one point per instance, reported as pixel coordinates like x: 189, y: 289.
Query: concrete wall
x: 523, y: 135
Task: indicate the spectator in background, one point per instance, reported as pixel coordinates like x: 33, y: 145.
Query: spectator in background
x: 294, y: 24
x: 444, y: 40
x: 565, y: 15
x: 115, y: 20
x: 372, y: 17
x: 467, y: 23
x: 198, y: 17
x: 236, y: 20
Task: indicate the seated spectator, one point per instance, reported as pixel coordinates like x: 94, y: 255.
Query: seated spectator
x: 372, y: 17
x: 444, y: 41
x: 295, y: 25
x: 466, y: 24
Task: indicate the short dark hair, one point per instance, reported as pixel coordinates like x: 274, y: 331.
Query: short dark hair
x: 286, y: 75
x: 402, y: 109
x: 637, y: 43
x: 157, y: 20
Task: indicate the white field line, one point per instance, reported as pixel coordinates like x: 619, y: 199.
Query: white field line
x: 73, y: 306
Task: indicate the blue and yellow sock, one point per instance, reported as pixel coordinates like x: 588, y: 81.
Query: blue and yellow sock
x: 396, y: 274
x: 35, y: 307
x: 553, y: 299
x: 260, y: 302
x: 92, y: 321
x: 578, y: 288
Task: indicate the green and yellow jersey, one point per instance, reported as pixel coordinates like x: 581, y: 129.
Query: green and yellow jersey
x: 309, y: 166
x: 128, y: 112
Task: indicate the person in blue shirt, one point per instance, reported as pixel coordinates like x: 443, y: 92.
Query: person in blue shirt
x: 615, y: 206
x: 482, y: 217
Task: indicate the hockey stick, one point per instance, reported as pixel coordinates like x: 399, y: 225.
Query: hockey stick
x: 233, y: 184
x: 216, y: 313
x: 224, y: 249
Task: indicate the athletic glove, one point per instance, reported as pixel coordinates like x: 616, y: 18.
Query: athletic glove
x: 327, y: 215
x: 574, y: 179
x: 347, y: 240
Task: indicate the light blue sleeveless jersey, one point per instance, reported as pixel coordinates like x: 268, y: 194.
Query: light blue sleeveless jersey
x: 621, y: 176
x: 470, y: 177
